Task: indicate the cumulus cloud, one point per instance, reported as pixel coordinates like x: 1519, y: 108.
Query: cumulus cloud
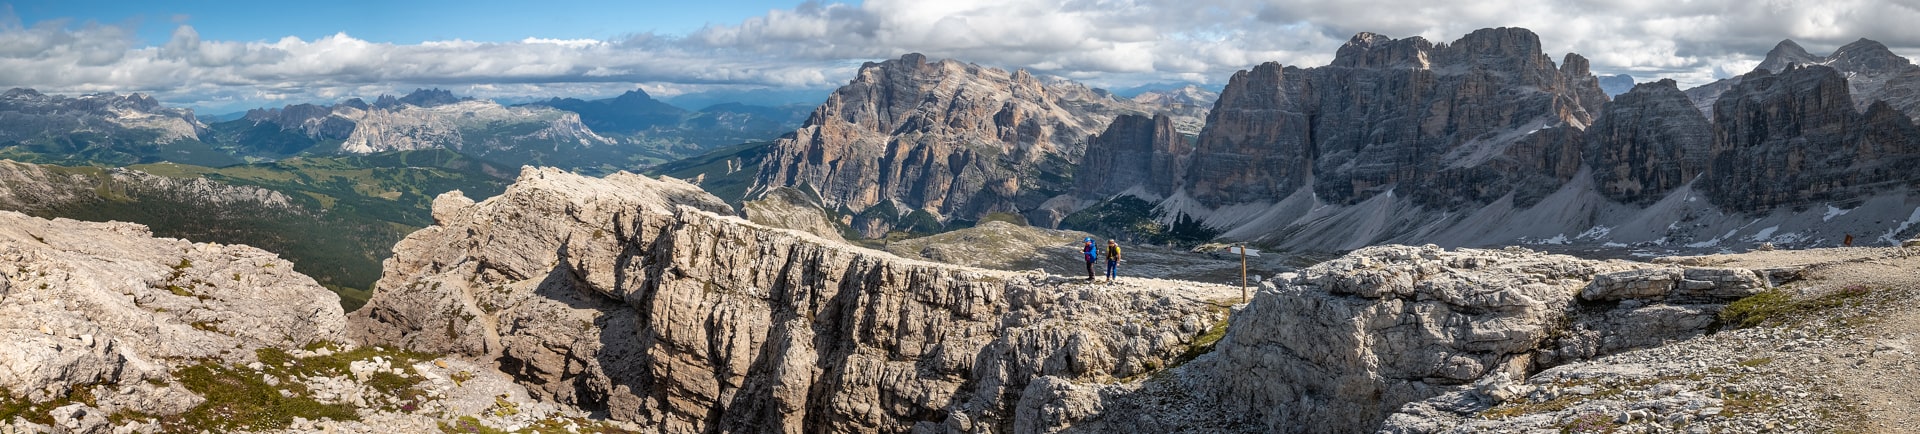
x: 818, y: 45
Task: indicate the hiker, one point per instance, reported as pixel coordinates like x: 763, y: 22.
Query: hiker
x: 1113, y: 259
x: 1091, y: 254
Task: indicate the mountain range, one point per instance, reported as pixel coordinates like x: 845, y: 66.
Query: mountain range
x: 628, y: 132
x: 1480, y: 141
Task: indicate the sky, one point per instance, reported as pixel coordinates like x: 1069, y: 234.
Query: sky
x: 220, y: 56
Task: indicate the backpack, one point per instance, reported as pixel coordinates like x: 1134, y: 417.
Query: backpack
x: 1092, y: 253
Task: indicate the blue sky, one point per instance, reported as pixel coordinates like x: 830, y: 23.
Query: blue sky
x: 220, y: 56
x: 402, y: 21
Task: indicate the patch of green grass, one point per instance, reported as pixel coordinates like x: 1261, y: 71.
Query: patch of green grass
x: 1777, y: 306
x: 468, y: 425
x: 42, y: 413
x: 1749, y: 402
x: 1565, y: 400
x: 1589, y: 423
x: 242, y: 400
x: 1754, y: 363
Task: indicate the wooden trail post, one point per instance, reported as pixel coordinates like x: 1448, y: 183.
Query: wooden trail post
x: 1243, y: 273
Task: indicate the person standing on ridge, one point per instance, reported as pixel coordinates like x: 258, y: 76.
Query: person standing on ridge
x: 1113, y: 260
x: 1091, y: 254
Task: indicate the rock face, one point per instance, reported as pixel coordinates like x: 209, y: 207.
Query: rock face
x: 642, y: 298
x: 953, y: 139
x: 1134, y: 151
x: 1486, y: 142
x: 1450, y: 122
x: 1341, y: 345
x: 1647, y: 143
x: 83, y: 304
x: 1794, y: 138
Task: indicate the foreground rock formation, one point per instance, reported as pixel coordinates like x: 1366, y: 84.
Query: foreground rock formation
x: 644, y: 298
x: 1832, y: 352
x: 104, y: 328
x: 106, y: 310
x: 1342, y: 345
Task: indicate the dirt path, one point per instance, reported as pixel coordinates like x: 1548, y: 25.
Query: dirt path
x: 1873, y: 369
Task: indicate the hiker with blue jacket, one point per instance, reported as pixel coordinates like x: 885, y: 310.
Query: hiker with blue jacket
x: 1092, y: 255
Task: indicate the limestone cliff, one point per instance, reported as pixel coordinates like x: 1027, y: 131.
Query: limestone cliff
x: 646, y: 299
x: 1134, y: 151
x: 1646, y: 143
x: 1794, y: 138
x: 1487, y: 142
x: 1465, y: 122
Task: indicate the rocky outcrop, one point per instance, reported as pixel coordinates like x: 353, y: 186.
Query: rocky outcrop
x: 107, y: 309
x: 1794, y: 138
x: 1646, y: 143
x: 1343, y: 344
x: 643, y: 298
x: 1461, y: 122
x: 953, y: 139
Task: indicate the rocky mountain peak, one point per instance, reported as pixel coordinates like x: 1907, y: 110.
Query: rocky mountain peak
x: 1786, y: 53
x: 946, y: 137
x: 1275, y: 129
x: 1868, y: 56
x: 21, y: 93
x: 1646, y: 143
x: 633, y: 96
x: 1505, y: 41
x: 1370, y: 50
x: 430, y: 98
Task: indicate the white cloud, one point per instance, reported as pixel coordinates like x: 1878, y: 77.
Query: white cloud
x: 817, y: 45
